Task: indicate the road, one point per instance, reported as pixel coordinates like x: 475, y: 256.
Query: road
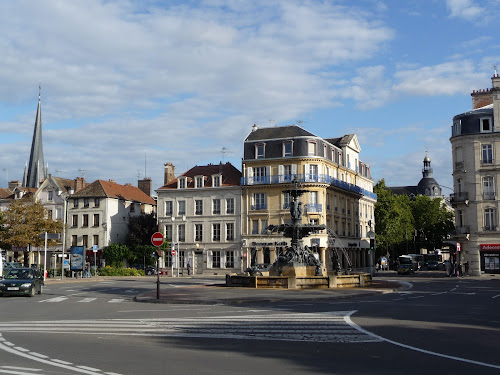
x: 433, y: 325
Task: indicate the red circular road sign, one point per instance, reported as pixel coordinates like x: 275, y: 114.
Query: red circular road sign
x: 173, y: 251
x: 157, y: 239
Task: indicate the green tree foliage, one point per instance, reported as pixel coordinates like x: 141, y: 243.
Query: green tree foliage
x: 398, y: 219
x: 24, y: 221
x: 3, y: 228
x: 115, y: 254
x: 140, y: 230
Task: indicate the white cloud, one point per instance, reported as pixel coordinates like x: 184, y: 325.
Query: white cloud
x: 466, y: 9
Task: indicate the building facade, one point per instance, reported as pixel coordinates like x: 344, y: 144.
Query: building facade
x: 199, y: 213
x: 475, y: 141
x: 340, y: 195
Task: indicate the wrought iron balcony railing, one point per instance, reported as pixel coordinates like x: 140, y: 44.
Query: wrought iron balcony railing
x: 460, y: 197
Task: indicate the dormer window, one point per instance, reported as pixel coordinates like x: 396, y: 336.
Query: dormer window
x: 182, y: 183
x: 260, y: 151
x: 216, y: 180
x: 457, y: 127
x: 486, y: 125
x: 312, y: 148
x: 199, y: 181
x: 287, y: 148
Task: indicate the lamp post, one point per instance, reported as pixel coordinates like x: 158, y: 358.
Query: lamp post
x: 371, y: 252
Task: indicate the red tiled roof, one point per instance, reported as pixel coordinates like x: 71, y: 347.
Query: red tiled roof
x: 108, y: 189
x: 230, y: 175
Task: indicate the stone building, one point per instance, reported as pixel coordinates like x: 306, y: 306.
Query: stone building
x: 475, y: 141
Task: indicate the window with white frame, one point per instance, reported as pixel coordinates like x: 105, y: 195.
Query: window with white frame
x: 457, y: 127
x: 229, y: 259
x: 287, y: 148
x: 485, y: 124
x: 198, y: 232
x: 216, y: 206
x: 96, y: 220
x: 487, y: 154
x: 169, y: 208
x: 182, y: 182
x: 199, y: 181
x: 181, y: 208
x: 259, y: 201
x: 198, y: 207
x: 181, y: 233
x: 312, y: 148
x: 263, y: 224
x: 216, y: 181
x: 50, y: 195
x: 58, y: 213
x: 259, y: 151
x: 259, y: 174
x: 216, y: 232
x: 287, y: 199
x: 216, y: 259
x: 255, y: 226
x: 230, y: 206
x: 488, y: 188
x: 489, y: 219
x: 168, y: 232
x: 229, y: 231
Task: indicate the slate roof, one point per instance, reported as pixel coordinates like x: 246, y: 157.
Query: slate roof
x: 108, y: 189
x: 287, y: 131
x: 65, y: 184
x: 230, y: 176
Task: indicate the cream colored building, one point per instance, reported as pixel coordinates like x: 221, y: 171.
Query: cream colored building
x: 340, y: 194
x: 475, y: 144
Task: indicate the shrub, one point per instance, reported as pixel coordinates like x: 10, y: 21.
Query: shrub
x: 117, y: 271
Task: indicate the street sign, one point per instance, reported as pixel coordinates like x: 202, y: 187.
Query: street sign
x: 173, y: 251
x: 459, y: 247
x: 157, y: 239
x: 94, y: 248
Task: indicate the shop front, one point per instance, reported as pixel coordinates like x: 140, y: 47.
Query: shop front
x: 490, y: 258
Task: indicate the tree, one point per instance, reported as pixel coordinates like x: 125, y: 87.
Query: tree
x: 24, y: 221
x: 140, y: 230
x: 115, y: 254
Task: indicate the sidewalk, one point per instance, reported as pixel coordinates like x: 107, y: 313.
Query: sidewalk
x: 218, y: 293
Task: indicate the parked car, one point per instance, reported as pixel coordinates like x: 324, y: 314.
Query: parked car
x: 406, y: 265
x: 150, y: 270
x: 432, y: 265
x: 22, y: 281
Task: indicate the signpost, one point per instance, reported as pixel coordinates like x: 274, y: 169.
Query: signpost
x: 47, y: 236
x: 157, y: 240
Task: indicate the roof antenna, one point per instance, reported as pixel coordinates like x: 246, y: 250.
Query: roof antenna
x: 83, y: 172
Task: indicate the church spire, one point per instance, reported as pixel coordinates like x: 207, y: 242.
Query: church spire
x: 36, y: 170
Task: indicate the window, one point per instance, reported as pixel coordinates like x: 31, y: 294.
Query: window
x: 216, y: 259
x: 287, y: 149
x: 260, y: 174
x: 335, y: 203
x: 229, y: 231
x: 97, y: 202
x: 216, y: 181
x: 199, y: 182
x: 96, y: 240
x: 485, y: 124
x: 58, y: 214
x: 181, y: 233
x: 255, y: 226
x: 74, y: 240
x: 86, y: 202
x: 132, y: 207
x: 457, y: 127
x: 85, y: 220
x: 259, y: 151
x: 51, y: 195
x: 85, y: 239
x: 216, y: 232
x: 75, y: 220
x: 168, y: 232
x: 75, y: 204
x: 230, y: 206
x: 287, y: 199
x: 489, y: 219
x: 182, y: 183
x: 181, y: 208
x: 488, y: 188
x: 487, y: 154
x: 216, y: 206
x: 459, y: 185
x: 312, y: 172
x: 311, y: 148
x: 198, y: 232
x: 259, y: 201
x: 263, y: 224
x: 198, y: 207
x: 230, y: 259
x: 460, y: 218
x: 288, y: 173
x: 169, y: 208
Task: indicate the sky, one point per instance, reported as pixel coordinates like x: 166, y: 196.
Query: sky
x: 127, y: 86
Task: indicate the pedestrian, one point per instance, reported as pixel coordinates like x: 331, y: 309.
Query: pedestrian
x: 189, y: 268
x: 448, y: 268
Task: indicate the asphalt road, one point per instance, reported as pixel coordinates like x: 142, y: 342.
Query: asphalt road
x: 430, y: 325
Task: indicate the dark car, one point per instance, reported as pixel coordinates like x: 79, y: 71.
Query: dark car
x: 432, y: 265
x: 150, y: 270
x: 22, y: 281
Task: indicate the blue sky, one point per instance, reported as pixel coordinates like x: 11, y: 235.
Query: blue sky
x: 130, y: 85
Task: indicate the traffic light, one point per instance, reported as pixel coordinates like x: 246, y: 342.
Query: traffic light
x: 372, y: 243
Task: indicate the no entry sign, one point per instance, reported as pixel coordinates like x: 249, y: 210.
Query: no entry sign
x: 157, y: 239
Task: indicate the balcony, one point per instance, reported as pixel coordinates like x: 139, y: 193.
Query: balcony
x: 490, y: 228
x: 314, y: 207
x: 259, y: 206
x: 459, y: 198
x: 462, y: 231
x: 308, y: 177
x: 489, y: 196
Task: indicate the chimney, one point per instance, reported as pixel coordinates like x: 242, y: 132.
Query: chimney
x: 169, y: 173
x: 254, y: 127
x: 79, y: 183
x: 14, y: 184
x: 111, y: 180
x: 495, y: 80
x: 481, y: 98
x: 146, y: 185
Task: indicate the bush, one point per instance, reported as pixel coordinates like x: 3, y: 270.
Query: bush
x: 116, y: 271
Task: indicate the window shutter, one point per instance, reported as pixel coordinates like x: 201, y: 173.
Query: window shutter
x: 281, y: 173
x: 268, y: 173
x: 306, y: 172
x: 222, y: 259
x: 209, y: 259
x: 294, y: 169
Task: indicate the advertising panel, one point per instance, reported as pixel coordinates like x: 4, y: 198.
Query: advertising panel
x: 77, y: 258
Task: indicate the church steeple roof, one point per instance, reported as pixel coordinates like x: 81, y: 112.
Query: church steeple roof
x: 36, y: 167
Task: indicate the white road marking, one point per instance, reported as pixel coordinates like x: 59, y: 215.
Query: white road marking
x: 87, y: 300
x: 55, y: 299
x: 116, y: 300
x: 21, y: 368
x: 498, y: 295
x: 380, y: 338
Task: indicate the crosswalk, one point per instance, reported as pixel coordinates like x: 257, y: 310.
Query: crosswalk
x: 83, y: 300
x: 333, y: 327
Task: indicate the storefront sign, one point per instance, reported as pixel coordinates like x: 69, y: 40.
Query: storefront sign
x: 490, y: 247
x: 265, y: 244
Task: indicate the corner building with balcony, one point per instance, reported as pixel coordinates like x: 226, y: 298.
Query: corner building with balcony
x: 475, y: 141
x: 340, y: 194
